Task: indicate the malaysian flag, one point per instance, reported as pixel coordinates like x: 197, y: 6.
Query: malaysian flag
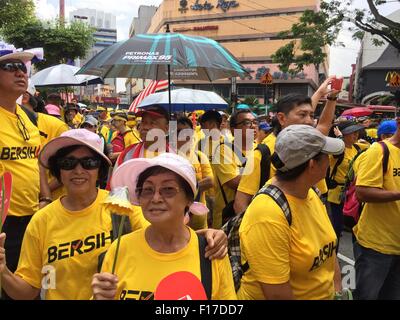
x: 150, y: 89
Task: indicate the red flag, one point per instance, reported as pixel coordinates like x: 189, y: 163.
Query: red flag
x: 150, y: 89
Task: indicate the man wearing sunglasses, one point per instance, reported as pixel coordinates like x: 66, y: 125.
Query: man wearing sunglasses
x: 19, y: 148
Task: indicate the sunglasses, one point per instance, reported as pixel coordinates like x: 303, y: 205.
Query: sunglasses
x: 89, y: 163
x: 248, y: 123
x: 13, y: 67
x: 147, y: 193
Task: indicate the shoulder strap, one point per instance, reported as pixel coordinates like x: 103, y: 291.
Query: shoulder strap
x: 205, y: 267
x: 357, y: 147
x: 279, y: 197
x: 222, y: 191
x: 33, y: 117
x: 240, y: 156
x: 339, y: 160
x: 385, y: 161
x: 265, y: 164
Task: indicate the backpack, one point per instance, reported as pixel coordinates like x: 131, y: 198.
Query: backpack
x: 228, y: 211
x: 205, y: 264
x: 33, y: 117
x: 331, y: 183
x: 231, y: 229
x: 352, y: 207
x: 265, y: 164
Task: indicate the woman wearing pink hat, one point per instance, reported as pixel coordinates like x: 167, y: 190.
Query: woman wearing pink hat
x: 165, y: 188
x: 63, y: 240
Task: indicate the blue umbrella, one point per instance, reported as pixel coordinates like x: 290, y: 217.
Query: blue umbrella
x: 165, y: 56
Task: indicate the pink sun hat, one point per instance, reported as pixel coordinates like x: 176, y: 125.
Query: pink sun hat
x: 75, y: 137
x: 53, y: 110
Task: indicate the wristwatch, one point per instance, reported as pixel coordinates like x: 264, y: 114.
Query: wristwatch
x: 332, y: 98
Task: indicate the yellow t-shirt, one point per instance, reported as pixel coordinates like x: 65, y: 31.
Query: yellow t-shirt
x: 130, y: 138
x: 20, y: 158
x: 379, y: 224
x: 140, y: 270
x: 372, y: 132
x: 250, y: 181
x: 226, y: 166
x: 340, y: 177
x: 67, y: 243
x: 303, y: 254
x: 51, y: 126
x: 78, y: 119
x: 105, y: 132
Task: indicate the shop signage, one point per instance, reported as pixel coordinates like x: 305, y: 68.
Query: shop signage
x: 207, y: 5
x: 262, y: 71
x: 198, y: 28
x: 393, y: 79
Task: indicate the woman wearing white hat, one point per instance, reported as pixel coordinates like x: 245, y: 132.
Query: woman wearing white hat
x: 164, y: 187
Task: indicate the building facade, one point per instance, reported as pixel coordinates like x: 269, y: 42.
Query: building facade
x: 139, y: 25
x: 249, y: 29
x: 105, y: 35
x: 377, y: 72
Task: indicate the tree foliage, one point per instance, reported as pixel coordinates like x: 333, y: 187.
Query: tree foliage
x: 15, y: 12
x: 315, y: 30
x: 60, y: 42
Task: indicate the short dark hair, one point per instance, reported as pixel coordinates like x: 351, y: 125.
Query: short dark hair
x: 185, y: 121
x: 294, y: 173
x: 235, y: 116
x: 290, y: 101
x: 211, y: 115
x: 286, y: 104
x: 153, y: 171
x: 55, y: 170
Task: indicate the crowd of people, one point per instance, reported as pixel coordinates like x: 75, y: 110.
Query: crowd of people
x: 284, y: 181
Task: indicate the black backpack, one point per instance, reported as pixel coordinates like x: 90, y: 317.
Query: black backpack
x: 331, y: 183
x: 265, y: 164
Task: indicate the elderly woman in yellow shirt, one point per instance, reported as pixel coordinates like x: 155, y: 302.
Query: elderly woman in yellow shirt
x: 165, y: 188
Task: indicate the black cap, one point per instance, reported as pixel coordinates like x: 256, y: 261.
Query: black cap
x: 348, y: 127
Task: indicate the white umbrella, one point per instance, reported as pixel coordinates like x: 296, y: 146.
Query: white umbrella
x: 186, y: 100
x: 63, y: 75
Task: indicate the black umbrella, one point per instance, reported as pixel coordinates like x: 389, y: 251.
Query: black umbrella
x: 165, y: 56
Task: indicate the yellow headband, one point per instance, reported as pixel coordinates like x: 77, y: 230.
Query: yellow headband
x: 119, y: 118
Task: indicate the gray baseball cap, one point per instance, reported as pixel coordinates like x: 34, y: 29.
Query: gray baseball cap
x: 90, y: 120
x: 297, y: 144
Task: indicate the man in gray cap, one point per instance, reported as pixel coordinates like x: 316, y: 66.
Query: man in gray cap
x: 290, y: 252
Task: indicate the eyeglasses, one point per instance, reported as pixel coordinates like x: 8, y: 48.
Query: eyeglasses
x: 88, y: 163
x: 22, y: 128
x: 147, y: 193
x: 248, y: 123
x: 13, y: 67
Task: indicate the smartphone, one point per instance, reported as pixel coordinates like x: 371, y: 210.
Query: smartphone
x: 337, y: 84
